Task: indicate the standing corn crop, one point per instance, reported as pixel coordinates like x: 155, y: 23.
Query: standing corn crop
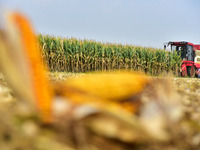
x: 73, y: 55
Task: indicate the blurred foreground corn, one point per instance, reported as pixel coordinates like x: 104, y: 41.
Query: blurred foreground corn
x: 123, y: 106
x: 106, y: 91
x: 19, y: 39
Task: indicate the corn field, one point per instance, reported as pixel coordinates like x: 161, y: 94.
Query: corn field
x: 73, y: 55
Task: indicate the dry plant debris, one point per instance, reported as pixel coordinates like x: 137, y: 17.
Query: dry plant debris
x: 168, y: 118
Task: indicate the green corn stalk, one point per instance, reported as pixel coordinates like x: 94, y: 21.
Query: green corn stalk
x: 73, y: 55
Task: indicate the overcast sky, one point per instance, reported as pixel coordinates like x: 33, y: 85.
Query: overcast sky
x: 137, y: 22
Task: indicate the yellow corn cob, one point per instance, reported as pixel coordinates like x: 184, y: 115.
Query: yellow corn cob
x: 114, y: 90
x: 42, y: 90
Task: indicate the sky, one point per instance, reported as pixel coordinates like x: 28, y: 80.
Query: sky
x: 136, y: 22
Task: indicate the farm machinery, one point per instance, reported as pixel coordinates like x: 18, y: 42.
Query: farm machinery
x: 190, y: 55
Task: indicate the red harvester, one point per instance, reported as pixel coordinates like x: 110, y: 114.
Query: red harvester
x: 190, y: 54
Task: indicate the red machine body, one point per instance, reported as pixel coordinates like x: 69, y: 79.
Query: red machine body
x: 190, y: 54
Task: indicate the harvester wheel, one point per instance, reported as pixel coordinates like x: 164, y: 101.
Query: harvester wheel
x: 184, y: 73
x: 191, y: 71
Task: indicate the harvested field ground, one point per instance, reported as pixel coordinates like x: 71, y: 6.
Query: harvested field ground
x: 20, y: 128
